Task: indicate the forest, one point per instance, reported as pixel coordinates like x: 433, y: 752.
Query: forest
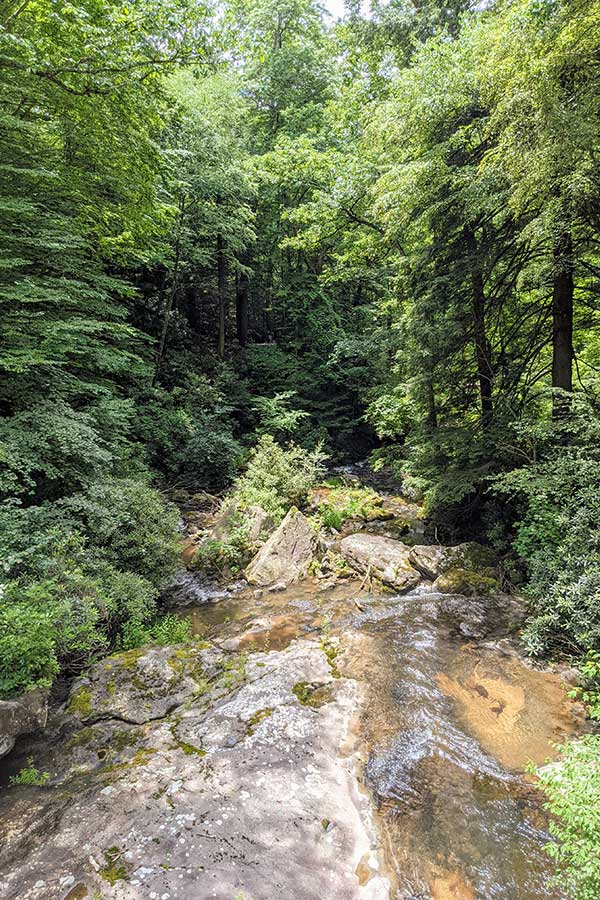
x: 245, y: 241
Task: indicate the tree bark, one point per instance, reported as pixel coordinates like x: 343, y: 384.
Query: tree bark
x: 222, y: 294
x: 241, y: 308
x: 432, y: 416
x: 172, y: 293
x: 485, y: 372
x: 562, y: 320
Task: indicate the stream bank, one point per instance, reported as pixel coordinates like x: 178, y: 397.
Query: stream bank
x: 325, y: 741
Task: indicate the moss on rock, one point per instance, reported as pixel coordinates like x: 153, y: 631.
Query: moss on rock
x: 80, y: 702
x: 113, y: 869
x: 467, y: 582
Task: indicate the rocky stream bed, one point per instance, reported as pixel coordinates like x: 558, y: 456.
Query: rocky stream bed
x: 339, y: 738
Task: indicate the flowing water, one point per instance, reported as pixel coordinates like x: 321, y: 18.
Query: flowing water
x: 452, y: 719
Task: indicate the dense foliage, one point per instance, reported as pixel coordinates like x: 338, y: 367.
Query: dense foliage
x: 573, y: 788
x: 250, y: 226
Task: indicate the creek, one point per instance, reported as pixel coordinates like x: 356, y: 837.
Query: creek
x: 452, y: 718
x: 252, y: 764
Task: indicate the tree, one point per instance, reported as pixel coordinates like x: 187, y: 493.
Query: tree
x: 542, y: 87
x: 209, y: 194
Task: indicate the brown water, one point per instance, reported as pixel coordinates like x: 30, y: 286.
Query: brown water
x: 452, y: 719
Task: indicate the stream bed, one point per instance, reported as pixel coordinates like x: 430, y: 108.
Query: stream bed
x: 326, y: 741
x: 453, y: 715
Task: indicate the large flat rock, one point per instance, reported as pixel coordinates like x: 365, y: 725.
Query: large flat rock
x: 248, y: 790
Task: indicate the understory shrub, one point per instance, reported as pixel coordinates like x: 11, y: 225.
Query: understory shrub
x: 187, y: 434
x: 77, y: 573
x: 573, y: 789
x: 50, y: 451
x: 277, y: 416
x: 169, y: 629
x: 557, y: 534
x: 228, y: 554
x: 210, y: 458
x: 344, y: 503
x: 277, y: 477
x: 129, y: 525
x: 27, y: 649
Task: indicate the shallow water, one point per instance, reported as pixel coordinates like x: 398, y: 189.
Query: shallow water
x: 453, y: 717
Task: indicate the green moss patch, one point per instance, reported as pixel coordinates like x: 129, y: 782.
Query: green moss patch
x: 258, y: 717
x: 113, y: 869
x: 80, y: 703
x: 129, y: 658
x: 336, y: 504
x: 467, y: 582
x: 313, y: 695
x: 81, y: 738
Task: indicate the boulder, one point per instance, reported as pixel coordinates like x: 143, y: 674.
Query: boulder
x: 223, y: 521
x: 259, y: 523
x: 20, y: 716
x: 433, y: 560
x: 386, y: 559
x: 140, y: 685
x: 467, y: 582
x: 254, y: 518
x: 287, y: 554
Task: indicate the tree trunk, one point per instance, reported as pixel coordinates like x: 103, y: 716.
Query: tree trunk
x: 222, y: 294
x: 432, y: 416
x: 485, y: 372
x: 172, y: 293
x: 562, y: 320
x: 241, y: 308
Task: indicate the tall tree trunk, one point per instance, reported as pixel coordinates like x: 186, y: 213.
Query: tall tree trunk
x: 241, y: 308
x: 562, y: 320
x: 432, y: 416
x: 172, y: 292
x: 485, y: 372
x: 222, y: 293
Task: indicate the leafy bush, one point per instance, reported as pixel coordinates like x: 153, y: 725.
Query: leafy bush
x: 345, y: 503
x: 589, y: 689
x: 211, y: 457
x: 129, y: 525
x: 187, y: 433
x: 391, y: 414
x: 169, y: 629
x: 557, y: 534
x: 80, y: 571
x: 277, y: 478
x: 50, y: 451
x: 72, y: 605
x: 227, y: 555
x: 277, y: 416
x: 573, y: 789
x: 29, y: 537
x: 27, y: 648
x: 330, y: 517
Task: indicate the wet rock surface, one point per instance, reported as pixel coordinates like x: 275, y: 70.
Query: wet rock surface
x: 433, y: 560
x: 227, y: 795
